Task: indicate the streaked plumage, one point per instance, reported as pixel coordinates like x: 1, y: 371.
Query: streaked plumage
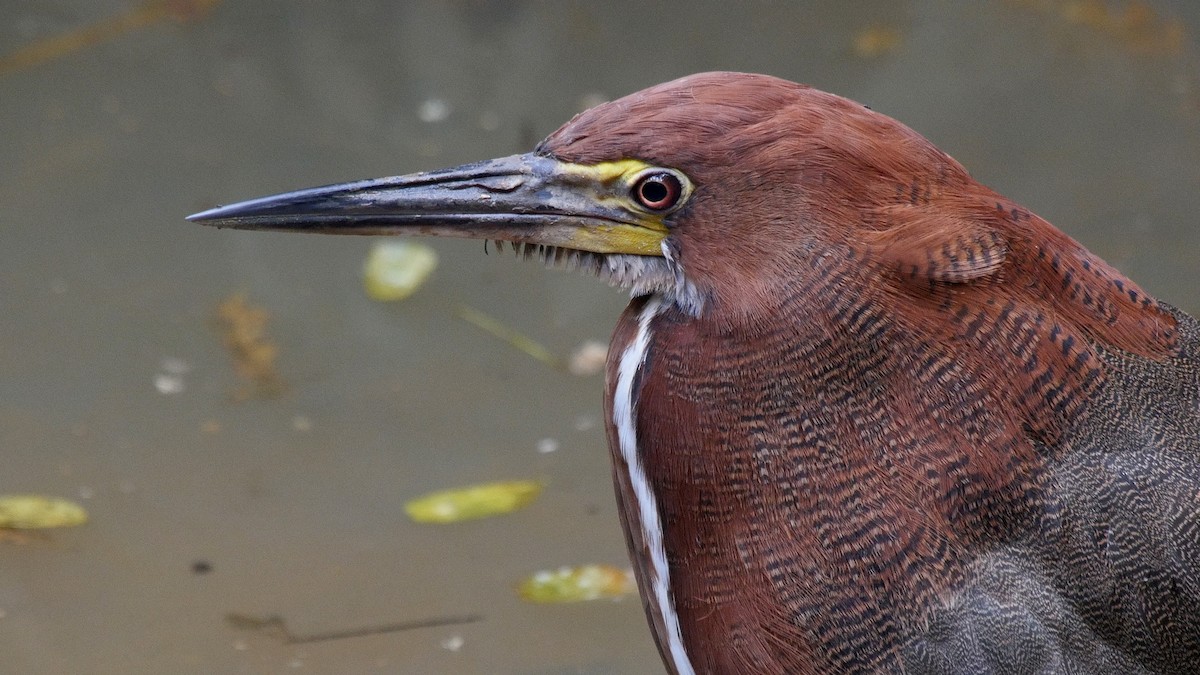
x: 865, y: 414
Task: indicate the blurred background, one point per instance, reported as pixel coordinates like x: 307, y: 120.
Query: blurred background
x: 224, y: 490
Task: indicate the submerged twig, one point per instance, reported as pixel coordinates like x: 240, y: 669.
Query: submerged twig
x: 275, y: 626
x: 515, y: 339
x: 57, y: 46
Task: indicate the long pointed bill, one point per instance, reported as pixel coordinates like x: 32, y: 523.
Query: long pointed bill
x: 522, y: 199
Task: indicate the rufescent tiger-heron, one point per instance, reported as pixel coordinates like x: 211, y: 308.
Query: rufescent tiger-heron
x: 865, y: 414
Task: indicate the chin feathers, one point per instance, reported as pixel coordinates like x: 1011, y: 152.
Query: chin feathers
x: 641, y: 274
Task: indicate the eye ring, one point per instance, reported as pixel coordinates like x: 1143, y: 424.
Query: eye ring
x: 657, y: 191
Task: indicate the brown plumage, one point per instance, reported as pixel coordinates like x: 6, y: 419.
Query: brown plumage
x: 865, y: 413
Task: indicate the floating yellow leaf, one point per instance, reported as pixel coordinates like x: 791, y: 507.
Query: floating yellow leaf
x: 875, y: 41
x: 476, y: 501
x: 396, y: 268
x: 575, y: 584
x: 28, y: 512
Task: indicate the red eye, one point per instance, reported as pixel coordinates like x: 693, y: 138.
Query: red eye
x: 658, y: 191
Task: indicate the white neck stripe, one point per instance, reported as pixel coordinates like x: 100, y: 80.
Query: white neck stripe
x: 648, y: 517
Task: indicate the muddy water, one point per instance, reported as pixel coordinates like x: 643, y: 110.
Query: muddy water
x: 115, y: 388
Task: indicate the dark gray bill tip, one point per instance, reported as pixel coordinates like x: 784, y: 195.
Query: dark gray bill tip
x: 326, y: 200
x: 215, y: 213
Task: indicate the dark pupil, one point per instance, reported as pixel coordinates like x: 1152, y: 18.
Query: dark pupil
x: 654, y: 191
